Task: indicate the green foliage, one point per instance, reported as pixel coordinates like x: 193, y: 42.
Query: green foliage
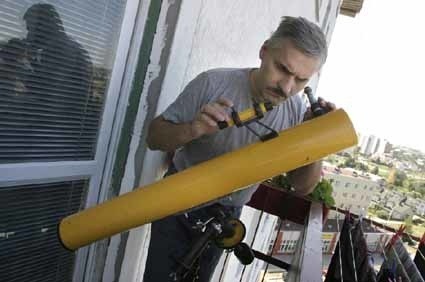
x: 408, y: 222
x: 362, y: 167
x: 375, y: 170
x: 421, y: 190
x: 399, y: 178
x: 282, y: 181
x: 323, y: 193
x: 350, y: 162
x: 382, y: 214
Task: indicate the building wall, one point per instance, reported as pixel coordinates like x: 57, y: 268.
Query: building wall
x: 380, y: 150
x: 350, y: 192
x: 289, y: 239
x: 371, y: 145
x: 208, y: 34
x: 420, y: 210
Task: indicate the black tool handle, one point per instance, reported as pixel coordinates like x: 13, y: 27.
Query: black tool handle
x: 315, y: 106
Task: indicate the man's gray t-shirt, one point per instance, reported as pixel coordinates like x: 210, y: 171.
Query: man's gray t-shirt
x: 233, y: 84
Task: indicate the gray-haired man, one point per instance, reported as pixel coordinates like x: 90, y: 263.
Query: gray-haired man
x: 289, y: 58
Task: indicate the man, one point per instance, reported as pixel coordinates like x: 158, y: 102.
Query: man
x: 289, y: 58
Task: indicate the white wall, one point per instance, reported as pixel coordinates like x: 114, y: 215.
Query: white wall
x: 230, y: 33
x: 209, y: 34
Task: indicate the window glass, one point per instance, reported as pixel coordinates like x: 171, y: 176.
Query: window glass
x: 55, y: 67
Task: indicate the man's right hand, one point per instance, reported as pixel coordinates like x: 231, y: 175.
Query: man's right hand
x: 205, y: 122
x: 167, y: 136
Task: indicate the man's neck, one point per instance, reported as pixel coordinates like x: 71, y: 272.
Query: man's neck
x: 255, y: 93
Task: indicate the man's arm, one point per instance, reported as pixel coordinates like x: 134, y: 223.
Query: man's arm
x: 168, y: 136
x: 305, y: 179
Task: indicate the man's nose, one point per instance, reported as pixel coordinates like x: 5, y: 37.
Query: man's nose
x: 287, y: 84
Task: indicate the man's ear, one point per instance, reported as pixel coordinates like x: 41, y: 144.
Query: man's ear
x: 263, y: 49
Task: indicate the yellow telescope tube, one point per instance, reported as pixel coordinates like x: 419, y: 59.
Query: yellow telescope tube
x: 293, y: 148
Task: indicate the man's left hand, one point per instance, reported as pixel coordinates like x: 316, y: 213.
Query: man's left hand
x: 327, y: 107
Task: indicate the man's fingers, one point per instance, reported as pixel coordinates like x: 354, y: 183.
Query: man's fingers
x: 325, y: 104
x: 206, y: 119
x: 308, y: 114
x: 225, y: 102
x: 222, y: 111
x: 216, y: 112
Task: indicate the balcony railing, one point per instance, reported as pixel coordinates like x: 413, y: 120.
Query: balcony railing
x: 306, y: 263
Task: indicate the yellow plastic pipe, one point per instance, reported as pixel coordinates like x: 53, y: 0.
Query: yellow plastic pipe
x: 293, y: 148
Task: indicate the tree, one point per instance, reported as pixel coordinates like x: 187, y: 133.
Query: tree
x: 350, y: 162
x: 382, y: 214
x: 323, y: 193
x: 362, y: 167
x: 375, y: 170
x: 399, y: 177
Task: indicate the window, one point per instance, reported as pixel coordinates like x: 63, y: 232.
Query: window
x: 325, y: 245
x: 347, y: 184
x: 353, y: 195
x: 32, y: 230
x: 283, y: 245
x: 56, y: 62
x: 345, y: 194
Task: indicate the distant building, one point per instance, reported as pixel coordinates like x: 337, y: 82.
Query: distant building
x: 372, y: 145
x: 388, y: 148
x: 380, y: 147
x: 352, y: 189
x: 401, y: 212
x: 369, y: 146
x: 418, y: 205
x: 290, y: 233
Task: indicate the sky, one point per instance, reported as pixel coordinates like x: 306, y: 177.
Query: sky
x: 375, y: 70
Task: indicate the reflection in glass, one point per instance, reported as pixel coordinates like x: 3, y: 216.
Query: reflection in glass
x: 55, y: 62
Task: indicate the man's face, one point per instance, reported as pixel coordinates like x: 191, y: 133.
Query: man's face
x: 284, y: 71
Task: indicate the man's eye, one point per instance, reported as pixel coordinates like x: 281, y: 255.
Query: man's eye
x: 283, y: 68
x: 301, y: 80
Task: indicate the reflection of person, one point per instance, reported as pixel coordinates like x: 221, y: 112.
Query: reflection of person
x: 15, y: 67
x: 58, y: 60
x: 289, y: 58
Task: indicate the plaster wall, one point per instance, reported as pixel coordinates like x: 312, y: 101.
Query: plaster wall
x: 209, y: 34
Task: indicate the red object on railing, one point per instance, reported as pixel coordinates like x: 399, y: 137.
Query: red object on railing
x: 284, y: 204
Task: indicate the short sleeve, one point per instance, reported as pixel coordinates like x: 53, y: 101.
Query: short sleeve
x: 190, y: 101
x: 302, y: 111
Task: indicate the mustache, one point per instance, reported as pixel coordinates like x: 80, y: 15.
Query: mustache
x: 278, y: 91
